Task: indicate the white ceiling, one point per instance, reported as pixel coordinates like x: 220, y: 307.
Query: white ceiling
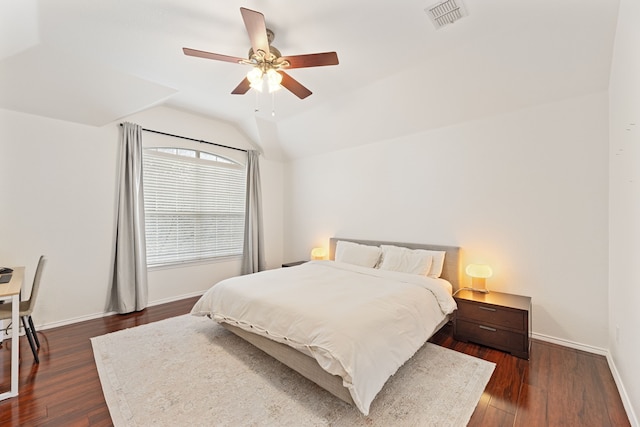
x: 94, y: 62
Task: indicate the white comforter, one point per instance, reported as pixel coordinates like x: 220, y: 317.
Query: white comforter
x: 359, y: 323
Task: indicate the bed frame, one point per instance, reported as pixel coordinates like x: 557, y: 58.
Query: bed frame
x: 307, y: 366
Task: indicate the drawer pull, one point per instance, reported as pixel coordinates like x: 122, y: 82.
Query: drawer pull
x: 486, y: 308
x: 487, y: 328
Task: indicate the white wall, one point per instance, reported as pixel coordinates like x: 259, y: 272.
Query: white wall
x: 525, y: 192
x: 58, y: 182
x: 624, y: 277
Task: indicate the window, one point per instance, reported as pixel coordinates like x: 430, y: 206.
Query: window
x: 194, y: 205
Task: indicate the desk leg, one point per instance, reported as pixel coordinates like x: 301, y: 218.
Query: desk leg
x: 15, y: 347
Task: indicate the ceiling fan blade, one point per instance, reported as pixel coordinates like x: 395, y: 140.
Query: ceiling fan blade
x: 242, y: 88
x: 209, y: 55
x: 294, y: 86
x: 257, y: 29
x: 312, y: 60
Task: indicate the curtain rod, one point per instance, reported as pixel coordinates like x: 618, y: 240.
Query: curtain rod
x: 192, y: 139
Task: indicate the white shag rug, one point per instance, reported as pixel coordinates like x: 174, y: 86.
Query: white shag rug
x: 189, y: 371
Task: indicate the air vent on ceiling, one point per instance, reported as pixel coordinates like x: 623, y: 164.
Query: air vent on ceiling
x: 446, y: 12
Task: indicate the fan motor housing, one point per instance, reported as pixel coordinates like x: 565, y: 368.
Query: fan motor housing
x: 274, y: 51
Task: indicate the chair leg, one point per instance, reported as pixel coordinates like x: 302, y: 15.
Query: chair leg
x: 34, y: 332
x: 29, y: 334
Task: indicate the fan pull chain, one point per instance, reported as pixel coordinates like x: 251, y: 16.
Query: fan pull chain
x: 273, y: 104
x: 256, y: 108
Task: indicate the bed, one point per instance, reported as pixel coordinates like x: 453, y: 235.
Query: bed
x: 345, y: 325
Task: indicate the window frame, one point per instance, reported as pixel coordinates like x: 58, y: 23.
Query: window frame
x: 238, y: 160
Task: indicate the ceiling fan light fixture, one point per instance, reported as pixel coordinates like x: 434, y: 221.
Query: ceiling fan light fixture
x: 259, y: 79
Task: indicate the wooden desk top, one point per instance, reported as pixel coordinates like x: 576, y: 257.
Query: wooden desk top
x: 14, y: 285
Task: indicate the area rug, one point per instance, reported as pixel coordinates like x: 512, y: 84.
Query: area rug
x: 189, y: 371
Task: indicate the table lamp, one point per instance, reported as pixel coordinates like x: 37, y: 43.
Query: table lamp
x: 318, y: 253
x: 479, y: 273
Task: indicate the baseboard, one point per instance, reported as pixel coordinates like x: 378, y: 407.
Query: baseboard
x: 172, y: 299
x: 633, y: 419
x: 570, y: 344
x: 109, y: 313
x: 626, y: 401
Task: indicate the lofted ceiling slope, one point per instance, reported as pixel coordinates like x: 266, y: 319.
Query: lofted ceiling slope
x: 96, y: 62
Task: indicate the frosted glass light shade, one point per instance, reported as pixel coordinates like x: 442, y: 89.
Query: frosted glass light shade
x: 479, y: 274
x: 255, y: 79
x: 273, y: 80
x: 479, y: 270
x: 318, y: 253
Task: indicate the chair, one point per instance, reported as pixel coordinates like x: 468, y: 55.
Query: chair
x: 26, y: 308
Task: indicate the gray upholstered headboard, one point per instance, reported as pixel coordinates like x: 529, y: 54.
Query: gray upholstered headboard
x: 450, y: 270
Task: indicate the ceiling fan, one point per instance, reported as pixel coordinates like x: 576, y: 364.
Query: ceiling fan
x: 267, y: 61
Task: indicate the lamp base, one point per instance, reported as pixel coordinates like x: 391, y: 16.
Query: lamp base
x: 478, y: 284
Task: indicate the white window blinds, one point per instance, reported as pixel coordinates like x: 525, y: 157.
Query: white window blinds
x: 194, y: 206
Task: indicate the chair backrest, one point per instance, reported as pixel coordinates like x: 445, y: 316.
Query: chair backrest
x: 36, y: 283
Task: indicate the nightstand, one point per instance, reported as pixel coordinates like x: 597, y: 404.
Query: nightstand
x: 494, y: 319
x: 293, y: 264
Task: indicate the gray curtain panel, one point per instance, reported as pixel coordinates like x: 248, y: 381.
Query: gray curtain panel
x: 129, y: 291
x: 253, y: 250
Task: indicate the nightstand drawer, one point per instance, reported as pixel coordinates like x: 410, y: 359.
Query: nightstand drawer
x: 490, y: 336
x: 494, y: 315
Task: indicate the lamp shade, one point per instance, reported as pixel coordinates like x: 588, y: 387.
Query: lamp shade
x: 255, y: 78
x: 479, y: 274
x: 479, y: 270
x: 273, y: 80
x: 318, y: 253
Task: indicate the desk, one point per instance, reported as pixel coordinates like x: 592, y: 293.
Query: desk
x: 11, y: 290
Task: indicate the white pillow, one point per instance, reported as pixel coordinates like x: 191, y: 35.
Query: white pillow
x: 406, y: 261
x: 437, y: 261
x: 355, y: 253
x: 437, y: 264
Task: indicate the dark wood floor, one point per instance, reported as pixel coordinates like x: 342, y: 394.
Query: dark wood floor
x: 557, y: 387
